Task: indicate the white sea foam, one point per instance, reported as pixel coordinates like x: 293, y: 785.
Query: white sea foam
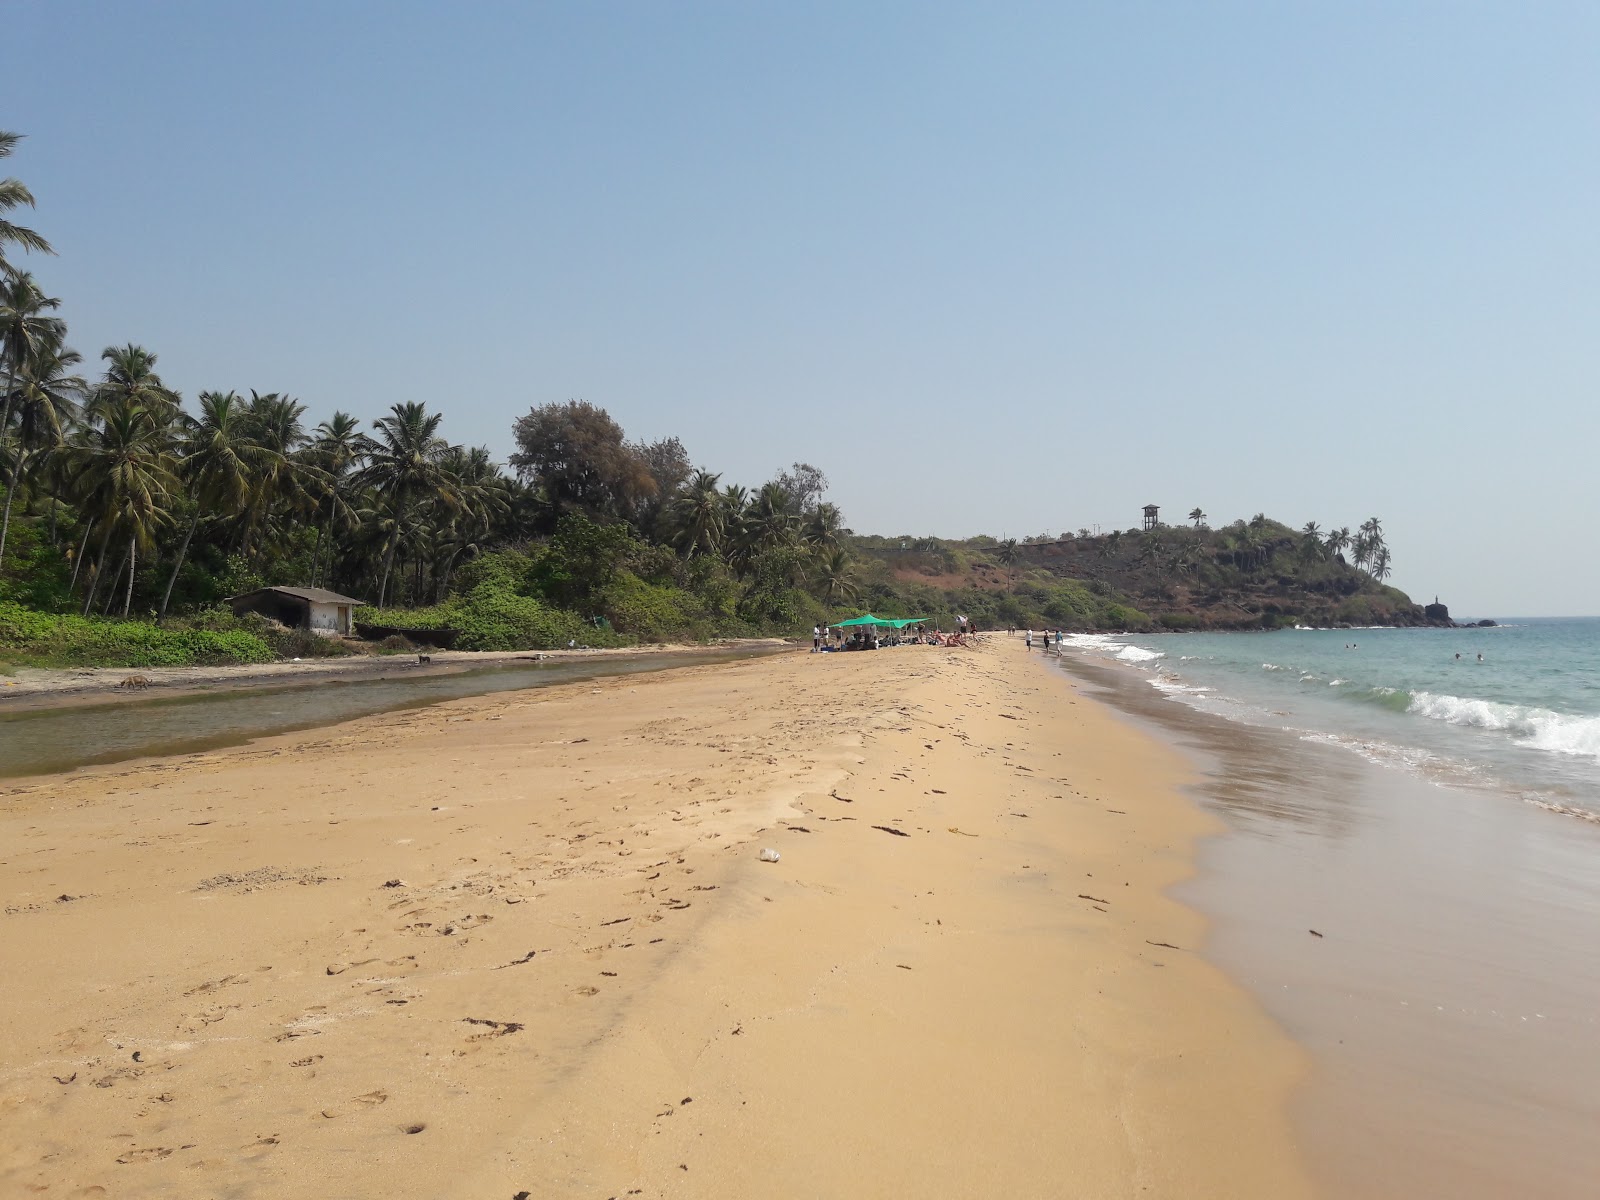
x: 1106, y: 644
x: 1535, y: 728
x: 1174, y: 686
x: 1138, y: 654
x: 1272, y: 667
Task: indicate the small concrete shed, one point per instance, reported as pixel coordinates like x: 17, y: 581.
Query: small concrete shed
x: 316, y: 609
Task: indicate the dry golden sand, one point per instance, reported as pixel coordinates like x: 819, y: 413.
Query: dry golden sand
x: 585, y: 982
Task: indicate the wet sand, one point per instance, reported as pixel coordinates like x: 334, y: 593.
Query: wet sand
x: 1452, y: 1003
x: 523, y: 942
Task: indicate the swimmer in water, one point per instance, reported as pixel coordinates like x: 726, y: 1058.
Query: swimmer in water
x: 1480, y: 655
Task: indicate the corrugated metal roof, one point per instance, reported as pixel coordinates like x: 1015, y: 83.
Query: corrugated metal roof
x: 314, y: 595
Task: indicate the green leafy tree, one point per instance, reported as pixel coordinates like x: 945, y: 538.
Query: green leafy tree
x: 578, y: 455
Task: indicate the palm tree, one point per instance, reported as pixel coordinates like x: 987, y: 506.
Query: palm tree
x: 272, y: 421
x: 1380, y: 563
x: 14, y: 195
x: 1363, y: 548
x: 823, y: 528
x: 699, y: 515
x: 403, y: 466
x: 1008, y: 554
x: 836, y: 576
x: 1197, y: 516
x: 24, y: 329
x: 123, y: 467
x: 336, y: 447
x: 480, y: 501
x: 770, y: 522
x: 131, y: 382
x: 1338, y: 540
x: 222, y: 464
x: 44, y: 399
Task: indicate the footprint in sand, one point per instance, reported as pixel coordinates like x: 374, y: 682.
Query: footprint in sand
x: 356, y: 1104
x: 151, y: 1154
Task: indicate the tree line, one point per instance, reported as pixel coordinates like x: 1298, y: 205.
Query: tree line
x: 141, y: 502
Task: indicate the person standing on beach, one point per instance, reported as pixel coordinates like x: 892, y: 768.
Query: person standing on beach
x: 1029, y: 641
x: 816, y: 638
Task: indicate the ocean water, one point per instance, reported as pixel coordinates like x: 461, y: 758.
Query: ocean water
x: 1523, y: 720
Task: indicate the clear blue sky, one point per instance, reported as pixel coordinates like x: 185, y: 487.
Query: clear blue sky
x: 1327, y: 261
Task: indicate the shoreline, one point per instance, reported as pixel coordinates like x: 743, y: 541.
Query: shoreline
x: 523, y: 941
x: 1445, y: 998
x: 36, y: 688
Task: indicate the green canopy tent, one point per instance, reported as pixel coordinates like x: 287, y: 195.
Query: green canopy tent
x: 865, y: 619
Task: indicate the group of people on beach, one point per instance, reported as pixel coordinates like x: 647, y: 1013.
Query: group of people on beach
x: 826, y: 638
x: 1046, y: 638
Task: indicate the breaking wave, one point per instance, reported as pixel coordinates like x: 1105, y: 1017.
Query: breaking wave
x: 1535, y: 728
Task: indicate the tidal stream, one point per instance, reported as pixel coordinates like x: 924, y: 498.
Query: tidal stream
x: 43, y: 741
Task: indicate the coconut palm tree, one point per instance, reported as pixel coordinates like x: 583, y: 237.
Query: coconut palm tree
x: 770, y: 523
x: 1380, y: 563
x: 336, y: 448
x: 124, y: 470
x: 1338, y: 540
x: 699, y: 515
x: 404, y: 468
x: 1362, y: 549
x: 481, y: 500
x: 43, y: 398
x: 1008, y: 553
x: 282, y: 487
x: 836, y: 576
x: 1197, y: 517
x: 823, y: 528
x: 131, y: 381
x: 25, y: 327
x: 14, y: 195
x: 222, y: 464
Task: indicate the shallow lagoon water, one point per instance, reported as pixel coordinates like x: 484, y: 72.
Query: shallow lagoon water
x: 42, y: 741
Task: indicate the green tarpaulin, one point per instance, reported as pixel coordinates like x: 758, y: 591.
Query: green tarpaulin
x: 882, y: 622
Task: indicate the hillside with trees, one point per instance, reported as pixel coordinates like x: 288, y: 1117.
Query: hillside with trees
x: 130, y: 514
x: 1250, y: 574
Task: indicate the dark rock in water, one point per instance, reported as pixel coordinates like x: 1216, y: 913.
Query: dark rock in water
x: 1486, y: 624
x: 1436, y: 612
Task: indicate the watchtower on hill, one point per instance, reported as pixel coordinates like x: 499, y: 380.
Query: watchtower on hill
x: 1151, y: 517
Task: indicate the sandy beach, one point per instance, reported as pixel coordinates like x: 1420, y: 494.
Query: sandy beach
x: 523, y: 944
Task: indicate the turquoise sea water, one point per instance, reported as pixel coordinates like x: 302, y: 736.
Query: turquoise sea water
x: 1524, y: 720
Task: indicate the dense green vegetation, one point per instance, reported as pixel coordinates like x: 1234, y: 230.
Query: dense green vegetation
x: 129, y: 515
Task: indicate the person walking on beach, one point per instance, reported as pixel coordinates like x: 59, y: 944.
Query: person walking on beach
x: 1029, y: 641
x: 816, y: 638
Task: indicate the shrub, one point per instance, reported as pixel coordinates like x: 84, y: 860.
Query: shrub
x: 649, y: 611
x: 67, y: 640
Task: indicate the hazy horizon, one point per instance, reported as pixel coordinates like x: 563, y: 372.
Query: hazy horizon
x: 1009, y: 271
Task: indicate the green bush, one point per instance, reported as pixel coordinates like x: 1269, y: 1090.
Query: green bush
x: 651, y: 612
x: 48, y: 639
x: 494, y: 617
